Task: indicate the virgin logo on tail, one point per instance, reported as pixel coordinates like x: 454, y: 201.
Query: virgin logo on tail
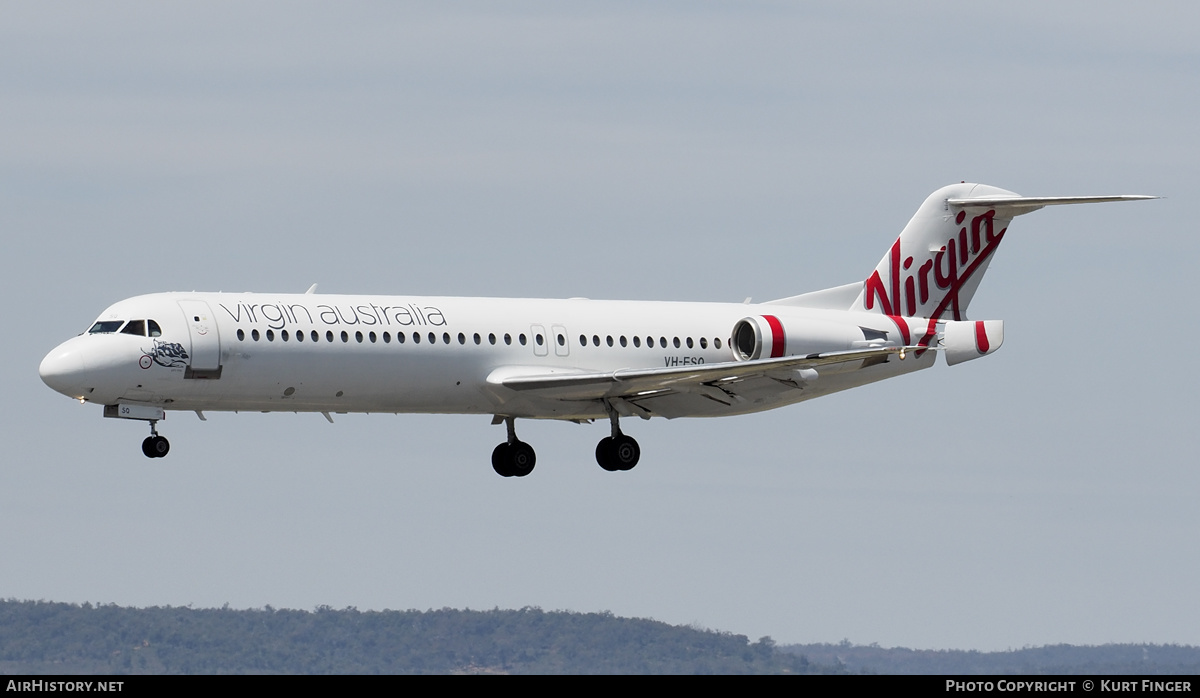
x: 944, y: 271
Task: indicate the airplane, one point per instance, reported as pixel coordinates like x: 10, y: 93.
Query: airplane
x: 575, y: 359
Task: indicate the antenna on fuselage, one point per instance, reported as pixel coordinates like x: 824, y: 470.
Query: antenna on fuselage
x: 311, y: 290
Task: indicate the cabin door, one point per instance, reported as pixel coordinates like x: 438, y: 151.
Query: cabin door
x: 206, y: 342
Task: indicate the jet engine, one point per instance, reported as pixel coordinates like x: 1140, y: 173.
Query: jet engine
x: 758, y: 337
x: 766, y: 337
x: 965, y: 340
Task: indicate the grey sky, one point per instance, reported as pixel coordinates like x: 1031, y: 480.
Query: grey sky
x: 685, y: 151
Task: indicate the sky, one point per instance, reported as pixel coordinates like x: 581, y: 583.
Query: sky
x: 674, y: 151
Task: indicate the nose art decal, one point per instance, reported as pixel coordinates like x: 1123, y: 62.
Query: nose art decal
x: 169, y: 354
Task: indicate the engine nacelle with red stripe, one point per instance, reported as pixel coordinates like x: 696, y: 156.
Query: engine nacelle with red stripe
x: 758, y: 337
x: 966, y: 340
x: 768, y: 337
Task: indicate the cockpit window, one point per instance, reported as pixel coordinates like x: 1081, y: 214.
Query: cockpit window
x: 106, y: 326
x: 137, y: 327
x: 153, y: 329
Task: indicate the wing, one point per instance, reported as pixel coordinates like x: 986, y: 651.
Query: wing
x: 642, y: 391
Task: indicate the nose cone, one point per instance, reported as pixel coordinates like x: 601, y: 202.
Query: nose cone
x: 63, y: 370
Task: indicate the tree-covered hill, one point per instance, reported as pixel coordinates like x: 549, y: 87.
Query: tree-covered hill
x: 40, y: 637
x: 1059, y: 660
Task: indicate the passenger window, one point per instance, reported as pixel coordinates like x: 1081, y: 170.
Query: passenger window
x: 583, y: 340
x: 717, y: 342
x: 662, y: 341
x: 521, y: 339
x: 676, y: 342
x: 477, y: 338
x: 446, y: 337
x: 507, y: 338
x: 270, y: 335
x: 137, y: 327
x: 345, y: 337
x: 358, y: 337
x: 314, y: 336
x: 608, y: 340
x: 462, y: 338
x: 637, y: 341
x: 284, y: 335
x: 703, y: 342
x: 596, y: 339
x: 299, y: 336
x: 254, y: 335
x: 371, y: 336
x: 689, y: 342
x: 416, y: 337
x: 562, y: 341
x: 153, y: 330
x: 387, y: 337
x: 329, y: 335
x: 491, y: 337
x: 539, y: 340
x: 241, y: 335
x: 623, y: 342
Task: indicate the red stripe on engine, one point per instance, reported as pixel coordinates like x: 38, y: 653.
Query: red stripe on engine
x: 777, y: 339
x: 981, y: 339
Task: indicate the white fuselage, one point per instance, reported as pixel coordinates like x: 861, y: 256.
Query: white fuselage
x: 338, y: 353
x: 573, y: 359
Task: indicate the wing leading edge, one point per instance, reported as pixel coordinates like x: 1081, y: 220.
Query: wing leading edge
x: 714, y: 381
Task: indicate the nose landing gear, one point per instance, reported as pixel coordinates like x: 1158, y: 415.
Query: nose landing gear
x: 155, y: 446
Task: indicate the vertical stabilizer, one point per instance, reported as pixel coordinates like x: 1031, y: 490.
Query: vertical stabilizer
x: 933, y: 269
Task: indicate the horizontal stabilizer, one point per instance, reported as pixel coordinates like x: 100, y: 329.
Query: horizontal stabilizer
x: 1017, y: 205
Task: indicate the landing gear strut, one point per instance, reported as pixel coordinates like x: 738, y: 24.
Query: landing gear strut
x: 617, y: 452
x: 155, y: 446
x: 513, y: 458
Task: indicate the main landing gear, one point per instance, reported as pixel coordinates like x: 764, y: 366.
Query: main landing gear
x: 513, y: 458
x: 617, y: 452
x: 155, y: 446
